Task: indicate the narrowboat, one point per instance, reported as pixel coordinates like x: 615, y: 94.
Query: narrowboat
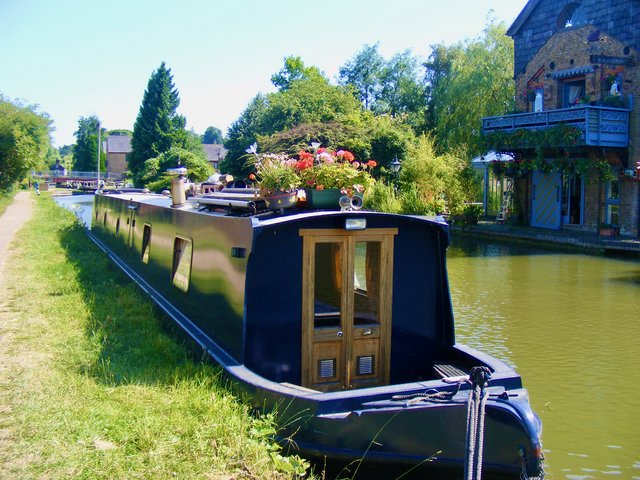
x: 341, y: 321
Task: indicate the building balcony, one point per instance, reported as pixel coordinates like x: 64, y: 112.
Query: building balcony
x: 600, y: 126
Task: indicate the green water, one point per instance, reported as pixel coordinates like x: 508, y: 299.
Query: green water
x: 570, y: 325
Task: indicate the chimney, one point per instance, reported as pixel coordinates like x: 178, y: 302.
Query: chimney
x: 178, y: 194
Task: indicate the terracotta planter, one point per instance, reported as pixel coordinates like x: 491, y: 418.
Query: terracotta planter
x: 281, y: 200
x: 608, y: 231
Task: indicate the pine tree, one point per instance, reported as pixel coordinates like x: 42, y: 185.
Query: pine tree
x: 158, y: 126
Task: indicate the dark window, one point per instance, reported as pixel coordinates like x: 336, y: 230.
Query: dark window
x: 181, y: 271
x: 572, y: 93
x: 146, y: 243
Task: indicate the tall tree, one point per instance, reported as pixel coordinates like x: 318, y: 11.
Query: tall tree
x: 85, y: 151
x: 402, y: 91
x: 363, y: 72
x: 293, y: 69
x: 307, y: 100
x: 158, y: 126
x: 241, y: 134
x: 469, y: 81
x: 392, y: 87
x: 212, y: 135
x: 24, y: 141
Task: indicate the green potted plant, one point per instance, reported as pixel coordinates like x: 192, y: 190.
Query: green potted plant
x: 277, y: 179
x: 328, y: 175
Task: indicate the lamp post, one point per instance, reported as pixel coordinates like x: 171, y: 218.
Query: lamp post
x: 98, y: 178
x: 396, y: 165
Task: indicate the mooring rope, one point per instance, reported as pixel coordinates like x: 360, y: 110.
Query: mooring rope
x: 478, y: 397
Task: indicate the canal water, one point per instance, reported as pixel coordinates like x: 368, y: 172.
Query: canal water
x: 81, y: 205
x: 570, y: 324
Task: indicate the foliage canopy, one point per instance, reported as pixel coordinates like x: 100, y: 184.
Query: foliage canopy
x: 85, y: 150
x: 24, y: 141
x: 468, y: 81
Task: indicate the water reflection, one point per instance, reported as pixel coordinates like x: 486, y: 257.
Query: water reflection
x: 569, y: 324
x: 81, y: 205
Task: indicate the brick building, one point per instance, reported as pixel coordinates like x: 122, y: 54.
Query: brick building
x: 117, y: 148
x: 576, y: 69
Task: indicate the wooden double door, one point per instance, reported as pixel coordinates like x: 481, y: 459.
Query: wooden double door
x: 346, y: 318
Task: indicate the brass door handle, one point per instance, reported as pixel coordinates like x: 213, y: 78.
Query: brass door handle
x: 339, y: 334
x: 367, y: 332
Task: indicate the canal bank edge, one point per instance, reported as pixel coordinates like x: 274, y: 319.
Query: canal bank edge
x: 593, y: 243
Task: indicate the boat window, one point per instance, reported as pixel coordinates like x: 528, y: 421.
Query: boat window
x: 328, y: 284
x: 181, y: 271
x: 146, y: 243
x: 366, y: 282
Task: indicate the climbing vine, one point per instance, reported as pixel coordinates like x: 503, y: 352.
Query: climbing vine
x: 553, y: 141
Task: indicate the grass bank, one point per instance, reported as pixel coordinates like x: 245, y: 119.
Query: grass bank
x: 5, y: 200
x: 93, y: 387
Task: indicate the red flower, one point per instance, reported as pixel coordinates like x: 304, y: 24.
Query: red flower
x: 303, y: 164
x: 372, y: 164
x: 345, y: 155
x: 252, y: 177
x: 305, y: 155
x: 321, y: 150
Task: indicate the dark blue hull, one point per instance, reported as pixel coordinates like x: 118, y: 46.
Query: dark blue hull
x: 249, y: 322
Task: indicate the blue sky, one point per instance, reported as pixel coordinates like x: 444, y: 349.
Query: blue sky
x: 81, y: 57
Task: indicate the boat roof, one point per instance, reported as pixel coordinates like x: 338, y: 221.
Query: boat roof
x: 200, y: 206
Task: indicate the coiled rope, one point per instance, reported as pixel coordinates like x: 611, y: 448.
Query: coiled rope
x: 479, y: 377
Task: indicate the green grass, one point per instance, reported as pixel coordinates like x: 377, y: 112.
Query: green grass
x: 93, y: 387
x: 5, y: 200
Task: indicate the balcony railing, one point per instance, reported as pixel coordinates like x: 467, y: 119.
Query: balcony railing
x: 600, y: 126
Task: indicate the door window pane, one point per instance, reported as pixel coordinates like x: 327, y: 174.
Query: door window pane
x: 612, y: 190
x: 366, y: 283
x: 328, y: 284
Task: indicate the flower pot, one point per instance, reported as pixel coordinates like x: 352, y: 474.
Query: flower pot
x: 327, y: 199
x: 608, y: 231
x: 281, y: 200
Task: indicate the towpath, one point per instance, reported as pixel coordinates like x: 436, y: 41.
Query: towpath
x: 16, y: 215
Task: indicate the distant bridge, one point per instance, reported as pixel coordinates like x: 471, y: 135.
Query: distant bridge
x: 77, y: 178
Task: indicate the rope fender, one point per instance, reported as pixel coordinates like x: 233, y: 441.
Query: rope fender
x: 479, y: 377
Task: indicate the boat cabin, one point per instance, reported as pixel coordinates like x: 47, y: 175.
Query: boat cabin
x: 327, y: 301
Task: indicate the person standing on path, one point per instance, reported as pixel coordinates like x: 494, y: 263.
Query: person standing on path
x: 16, y: 215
